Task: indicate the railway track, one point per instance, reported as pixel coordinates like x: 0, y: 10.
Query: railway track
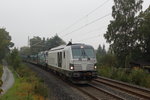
x: 141, y: 93
x: 90, y: 91
x: 96, y: 93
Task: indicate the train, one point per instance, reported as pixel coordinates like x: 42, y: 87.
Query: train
x: 76, y: 62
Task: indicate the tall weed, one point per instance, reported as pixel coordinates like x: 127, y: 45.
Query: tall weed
x: 135, y: 76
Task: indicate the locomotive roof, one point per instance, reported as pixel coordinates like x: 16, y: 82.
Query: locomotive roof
x: 58, y: 48
x: 63, y: 46
x: 77, y: 44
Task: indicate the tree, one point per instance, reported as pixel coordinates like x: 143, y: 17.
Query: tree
x: 54, y: 42
x: 104, y: 58
x: 122, y: 29
x: 5, y: 43
x: 143, y: 35
x: 25, y: 51
x: 15, y: 59
x: 109, y: 60
x: 36, y: 45
x: 101, y: 51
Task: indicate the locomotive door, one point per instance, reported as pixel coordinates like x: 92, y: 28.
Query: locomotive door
x: 64, y: 59
x: 59, y: 59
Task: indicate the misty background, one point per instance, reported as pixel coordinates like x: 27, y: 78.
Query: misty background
x: 46, y: 18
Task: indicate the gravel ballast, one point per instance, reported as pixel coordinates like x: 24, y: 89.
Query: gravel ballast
x: 57, y: 88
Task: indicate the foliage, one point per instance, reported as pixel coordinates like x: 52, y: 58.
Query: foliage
x: 109, y: 60
x: 14, y: 58
x: 133, y: 76
x: 105, y: 58
x: 105, y: 71
x: 143, y: 36
x: 100, y: 53
x: 37, y: 86
x: 122, y: 29
x: 129, y: 38
x: 140, y: 77
x: 54, y: 42
x: 1, y: 82
x: 5, y: 43
x: 26, y: 86
x: 37, y: 44
x: 127, y: 60
x: 1, y: 70
x: 41, y: 89
x: 25, y: 50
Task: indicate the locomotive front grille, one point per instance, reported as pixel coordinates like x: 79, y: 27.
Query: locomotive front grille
x: 77, y: 67
x: 83, y: 66
x: 90, y: 67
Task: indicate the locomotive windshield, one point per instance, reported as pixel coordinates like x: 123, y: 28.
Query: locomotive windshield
x: 83, y: 52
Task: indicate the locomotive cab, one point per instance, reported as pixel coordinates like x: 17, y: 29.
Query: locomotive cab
x: 76, y: 62
x: 83, y: 63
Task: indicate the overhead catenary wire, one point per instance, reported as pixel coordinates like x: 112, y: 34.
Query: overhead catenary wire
x: 97, y: 29
x: 89, y: 38
x: 36, y: 43
x: 87, y: 24
x: 101, y: 5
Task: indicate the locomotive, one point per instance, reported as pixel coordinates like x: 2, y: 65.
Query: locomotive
x: 76, y: 62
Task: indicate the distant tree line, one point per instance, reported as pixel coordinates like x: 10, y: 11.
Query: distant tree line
x: 105, y: 58
x: 38, y: 44
x: 129, y: 32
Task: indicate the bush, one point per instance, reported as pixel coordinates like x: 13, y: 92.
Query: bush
x: 140, y: 77
x: 14, y: 59
x: 40, y: 89
x: 35, y: 85
x: 1, y: 70
x: 1, y: 82
x: 135, y: 76
x: 105, y: 71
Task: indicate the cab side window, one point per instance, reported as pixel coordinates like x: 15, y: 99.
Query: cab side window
x: 64, y: 54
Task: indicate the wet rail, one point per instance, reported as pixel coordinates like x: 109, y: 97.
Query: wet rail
x: 142, y: 93
x: 96, y: 93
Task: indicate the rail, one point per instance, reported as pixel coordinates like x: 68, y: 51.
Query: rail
x: 131, y: 89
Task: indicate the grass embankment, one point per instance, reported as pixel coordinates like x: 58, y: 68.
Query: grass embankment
x: 27, y: 86
x: 1, y: 72
x: 133, y: 76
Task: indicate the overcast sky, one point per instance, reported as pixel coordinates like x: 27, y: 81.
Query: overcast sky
x: 45, y: 18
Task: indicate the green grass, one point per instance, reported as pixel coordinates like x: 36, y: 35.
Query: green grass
x: 1, y: 70
x: 26, y: 87
x: 13, y: 93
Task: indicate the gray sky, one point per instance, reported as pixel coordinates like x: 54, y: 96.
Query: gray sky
x: 45, y: 18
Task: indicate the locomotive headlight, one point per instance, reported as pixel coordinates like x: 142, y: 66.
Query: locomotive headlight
x: 71, y: 67
x: 95, y: 67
